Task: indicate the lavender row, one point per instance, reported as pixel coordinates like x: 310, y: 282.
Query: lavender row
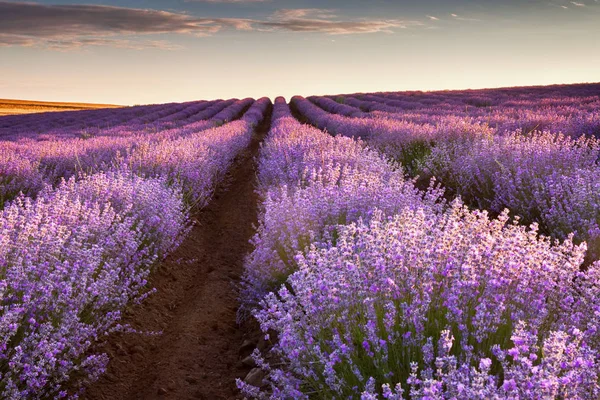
x: 396, y: 294
x: 168, y: 117
x: 197, y: 161
x: 27, y: 165
x: 536, y: 176
x: 76, y: 120
x: 546, y: 179
x: 573, y: 110
x: 45, y: 118
x: 212, y: 111
x: 232, y: 112
x: 71, y: 260
x: 112, y: 125
x: 74, y: 257
x: 403, y: 140
x: 585, y: 96
x: 338, y: 107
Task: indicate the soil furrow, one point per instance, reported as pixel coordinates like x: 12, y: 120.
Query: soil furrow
x: 197, y: 355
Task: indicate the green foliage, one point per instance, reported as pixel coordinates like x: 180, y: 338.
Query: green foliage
x: 413, y: 155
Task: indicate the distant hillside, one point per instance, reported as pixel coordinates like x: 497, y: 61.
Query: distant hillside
x: 13, y: 107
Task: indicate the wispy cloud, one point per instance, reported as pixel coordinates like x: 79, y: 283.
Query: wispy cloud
x: 70, y: 44
x: 461, y: 18
x: 575, y: 3
x: 335, y: 27
x: 326, y: 21
x: 293, y: 13
x: 16, y: 40
x: 431, y: 17
x: 79, y: 25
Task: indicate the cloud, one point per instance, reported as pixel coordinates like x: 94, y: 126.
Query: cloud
x: 459, y: 18
x: 117, y: 43
x: 38, y: 20
x: 292, y: 13
x: 75, y: 26
x: 326, y: 21
x: 431, y: 17
x: 16, y: 40
x: 577, y: 4
x: 335, y: 27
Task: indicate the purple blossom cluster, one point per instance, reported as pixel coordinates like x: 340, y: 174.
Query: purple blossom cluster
x: 369, y: 288
x: 78, y: 244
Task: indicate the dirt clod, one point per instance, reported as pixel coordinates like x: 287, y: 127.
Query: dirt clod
x: 191, y: 380
x: 247, y: 346
x: 248, y: 362
x: 255, y: 377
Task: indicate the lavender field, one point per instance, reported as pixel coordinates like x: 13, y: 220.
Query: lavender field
x: 408, y: 245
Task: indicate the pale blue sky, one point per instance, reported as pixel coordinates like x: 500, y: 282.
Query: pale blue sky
x: 148, y: 51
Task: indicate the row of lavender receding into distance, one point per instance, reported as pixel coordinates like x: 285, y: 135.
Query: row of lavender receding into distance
x: 27, y: 163
x: 534, y: 151
x: 92, y: 202
x: 370, y: 288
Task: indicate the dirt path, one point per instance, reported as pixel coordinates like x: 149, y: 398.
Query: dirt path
x: 198, y: 354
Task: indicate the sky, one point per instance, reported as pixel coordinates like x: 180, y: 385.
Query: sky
x: 150, y: 51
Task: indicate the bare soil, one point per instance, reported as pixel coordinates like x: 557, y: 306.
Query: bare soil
x: 198, y: 355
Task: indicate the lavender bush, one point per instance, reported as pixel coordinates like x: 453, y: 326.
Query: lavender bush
x: 70, y: 261
x: 432, y: 305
